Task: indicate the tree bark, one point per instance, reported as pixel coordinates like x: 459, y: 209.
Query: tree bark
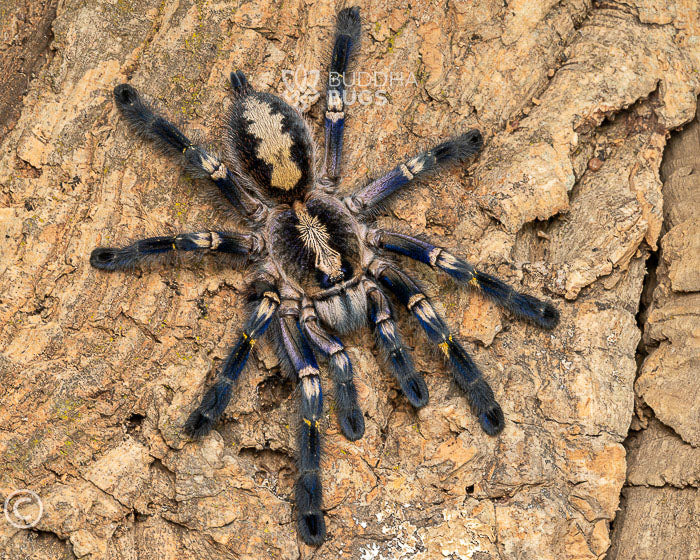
x: 100, y: 371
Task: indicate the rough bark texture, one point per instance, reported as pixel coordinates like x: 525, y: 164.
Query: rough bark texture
x: 661, y: 501
x: 25, y: 33
x: 99, y: 371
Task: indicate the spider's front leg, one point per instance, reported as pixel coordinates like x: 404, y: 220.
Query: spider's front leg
x: 308, y: 490
x: 350, y: 417
x: 524, y: 306
x: 113, y: 258
x: 347, y: 35
x: 370, y: 197
x: 202, y: 420
x: 389, y: 341
x: 466, y: 374
x: 197, y: 161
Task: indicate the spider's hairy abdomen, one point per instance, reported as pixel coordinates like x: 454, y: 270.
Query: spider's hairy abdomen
x: 272, y: 145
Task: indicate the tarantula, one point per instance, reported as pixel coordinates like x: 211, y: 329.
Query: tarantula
x: 321, y: 269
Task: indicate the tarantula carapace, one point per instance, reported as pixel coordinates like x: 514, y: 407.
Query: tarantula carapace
x: 321, y: 269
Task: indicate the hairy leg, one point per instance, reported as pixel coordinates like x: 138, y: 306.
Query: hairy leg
x: 197, y: 161
x: 308, y: 491
x: 368, y: 198
x: 113, y: 258
x: 347, y: 36
x: 389, y: 341
x: 524, y: 306
x: 202, y: 420
x: 466, y: 374
x: 350, y: 417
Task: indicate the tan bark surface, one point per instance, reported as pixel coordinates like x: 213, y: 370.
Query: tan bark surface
x: 660, y: 503
x: 99, y: 371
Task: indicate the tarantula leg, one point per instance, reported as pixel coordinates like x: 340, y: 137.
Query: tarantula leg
x: 466, y: 374
x: 113, y: 258
x: 395, y: 353
x: 202, y: 420
x: 524, y: 306
x: 350, y: 417
x: 347, y: 35
x: 456, y: 149
x: 308, y: 491
x: 197, y: 161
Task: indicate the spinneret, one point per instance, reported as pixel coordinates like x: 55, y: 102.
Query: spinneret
x: 321, y: 270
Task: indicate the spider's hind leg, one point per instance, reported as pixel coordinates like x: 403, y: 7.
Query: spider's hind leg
x: 347, y: 36
x: 371, y: 196
x: 524, y: 306
x: 350, y: 417
x: 466, y: 374
x: 197, y: 161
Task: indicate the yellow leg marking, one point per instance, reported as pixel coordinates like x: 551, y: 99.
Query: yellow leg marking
x: 174, y: 247
x: 307, y: 422
x: 474, y: 282
x: 252, y: 340
x: 445, y: 347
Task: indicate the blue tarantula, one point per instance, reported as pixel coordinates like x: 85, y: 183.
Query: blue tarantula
x: 321, y: 269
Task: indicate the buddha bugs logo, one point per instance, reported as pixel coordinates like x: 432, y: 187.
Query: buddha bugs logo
x: 303, y: 87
